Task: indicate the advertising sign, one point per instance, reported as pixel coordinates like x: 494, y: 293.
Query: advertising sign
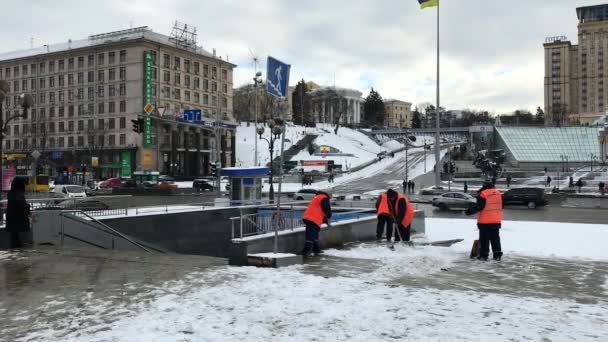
x: 7, y: 178
x: 125, y: 164
x: 147, y: 160
x: 94, y: 161
x: 147, y: 105
x: 314, y: 162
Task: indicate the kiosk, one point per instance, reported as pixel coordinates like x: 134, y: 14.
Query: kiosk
x: 245, y: 182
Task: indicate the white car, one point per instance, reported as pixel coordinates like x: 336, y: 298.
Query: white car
x: 305, y: 195
x: 70, y: 191
x: 454, y: 201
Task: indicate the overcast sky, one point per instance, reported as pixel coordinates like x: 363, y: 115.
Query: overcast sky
x: 492, y: 54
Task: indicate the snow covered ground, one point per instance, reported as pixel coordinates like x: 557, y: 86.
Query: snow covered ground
x: 342, y: 297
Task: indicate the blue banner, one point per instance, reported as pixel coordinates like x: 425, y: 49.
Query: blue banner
x: 192, y: 115
x: 277, y: 77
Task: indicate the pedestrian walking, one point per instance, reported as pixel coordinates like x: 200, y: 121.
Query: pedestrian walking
x: 466, y: 187
x: 570, y: 182
x: 549, y: 180
x: 509, y: 179
x: 385, y: 215
x: 17, y: 213
x: 489, y: 221
x: 406, y: 186
x: 317, y: 213
x: 579, y: 185
x: 494, y: 180
x: 404, y: 215
x: 413, y: 187
x: 602, y: 187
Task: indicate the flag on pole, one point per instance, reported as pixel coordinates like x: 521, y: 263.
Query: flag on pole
x: 428, y: 3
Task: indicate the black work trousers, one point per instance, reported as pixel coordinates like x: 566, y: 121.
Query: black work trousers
x: 489, y: 234
x: 312, y: 243
x: 404, y: 233
x: 382, y: 221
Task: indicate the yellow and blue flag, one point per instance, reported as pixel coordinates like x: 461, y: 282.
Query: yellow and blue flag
x: 428, y: 3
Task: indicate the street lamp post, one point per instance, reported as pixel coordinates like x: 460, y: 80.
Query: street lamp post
x: 257, y: 80
x: 275, y: 134
x: 592, y: 157
x: 26, y: 101
x: 407, y: 167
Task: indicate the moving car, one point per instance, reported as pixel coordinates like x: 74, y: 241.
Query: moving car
x: 305, y: 194
x: 166, y: 185
x: 70, y: 191
x: 201, y: 185
x: 165, y: 178
x: 84, y: 205
x: 530, y: 197
x: 111, y: 183
x: 454, y: 201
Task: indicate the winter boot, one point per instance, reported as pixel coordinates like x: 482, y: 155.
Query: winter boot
x: 316, y: 248
x: 307, y: 251
x: 497, y: 256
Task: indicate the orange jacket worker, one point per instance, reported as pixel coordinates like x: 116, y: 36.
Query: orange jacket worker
x: 317, y: 213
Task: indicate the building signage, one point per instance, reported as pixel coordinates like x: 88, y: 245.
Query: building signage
x: 325, y: 149
x: 314, y: 162
x: 95, y: 161
x: 556, y: 39
x: 147, y: 160
x: 7, y: 178
x: 125, y: 164
x: 192, y: 115
x: 207, y: 122
x: 148, y: 107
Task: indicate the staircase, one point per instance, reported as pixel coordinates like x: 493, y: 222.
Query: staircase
x: 293, y: 150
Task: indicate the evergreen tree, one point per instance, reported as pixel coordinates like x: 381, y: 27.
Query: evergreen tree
x: 374, y: 109
x: 301, y: 105
x: 416, y: 119
x: 540, y: 116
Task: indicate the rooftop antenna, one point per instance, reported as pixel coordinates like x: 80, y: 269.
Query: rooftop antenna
x: 255, y: 59
x: 183, y: 35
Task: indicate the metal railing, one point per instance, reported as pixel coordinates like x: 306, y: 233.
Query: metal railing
x: 288, y: 218
x: 113, y: 233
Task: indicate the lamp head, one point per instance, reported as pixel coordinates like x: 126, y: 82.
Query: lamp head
x: 26, y: 100
x: 258, y: 74
x: 260, y: 131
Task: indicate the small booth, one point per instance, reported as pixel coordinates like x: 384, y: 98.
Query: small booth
x: 245, y: 182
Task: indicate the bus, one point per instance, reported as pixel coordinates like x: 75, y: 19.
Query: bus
x: 38, y: 183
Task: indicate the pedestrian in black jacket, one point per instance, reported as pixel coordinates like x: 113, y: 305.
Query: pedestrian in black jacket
x: 17, y: 213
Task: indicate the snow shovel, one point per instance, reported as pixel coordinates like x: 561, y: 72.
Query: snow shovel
x: 475, y: 249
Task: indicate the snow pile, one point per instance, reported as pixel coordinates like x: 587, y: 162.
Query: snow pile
x: 245, y: 143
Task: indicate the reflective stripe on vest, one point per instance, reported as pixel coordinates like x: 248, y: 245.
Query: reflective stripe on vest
x: 409, y: 210
x: 492, y: 213
x: 383, y: 208
x: 314, y: 213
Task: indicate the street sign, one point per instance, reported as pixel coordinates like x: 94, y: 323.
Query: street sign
x: 36, y: 154
x: 161, y: 111
x: 148, y: 108
x: 192, y: 115
x: 277, y: 73
x: 125, y: 161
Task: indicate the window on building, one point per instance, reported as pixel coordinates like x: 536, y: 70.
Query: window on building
x: 51, y: 66
x: 51, y: 112
x: 61, y: 111
x: 197, y: 98
x: 214, y: 73
x: 71, y: 79
x: 7, y: 144
x: 101, y: 141
x: 187, y: 81
x: 71, y: 63
x: 52, y: 82
x: 177, y: 63
x: 81, y: 62
x: 111, y: 140
x: 100, y: 76
x: 61, y: 127
x: 70, y: 141
x: 214, y: 87
x: 61, y: 142
x: 91, y: 140
x: 101, y: 108
x: 205, y: 85
x: 205, y: 70
x: 111, y: 123
x: 101, y: 59
x: 42, y: 67
x: 111, y: 57
x: 177, y: 79
x: 166, y: 92
x: 70, y: 126
x: 15, y: 86
x: 123, y: 89
x: 33, y: 84
x: 154, y: 74
x: 90, y: 60
x: 166, y: 76
x: 122, y: 123
x: 112, y: 107
x: 61, y: 64
x: 91, y: 108
x: 197, y: 83
x: 123, y: 73
x: 71, y: 111
x: 81, y: 77
x: 24, y: 85
x: 177, y: 93
x: 24, y: 70
x: 187, y: 96
x: 91, y: 76
x: 214, y: 101
x: 90, y: 93
x: 61, y: 81
x: 224, y: 75
x: 80, y: 109
x: 111, y: 90
x: 100, y: 91
x: 225, y: 88
x: 205, y: 99
x: 80, y: 95
x: 166, y: 61
x: 80, y: 141
x: 123, y: 106
x: 123, y: 139
x: 123, y: 56
x: 112, y: 74
x: 51, y: 98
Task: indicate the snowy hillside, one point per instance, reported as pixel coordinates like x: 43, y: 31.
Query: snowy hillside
x: 245, y: 143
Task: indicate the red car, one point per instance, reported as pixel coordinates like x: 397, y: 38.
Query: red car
x: 111, y: 183
x: 166, y: 185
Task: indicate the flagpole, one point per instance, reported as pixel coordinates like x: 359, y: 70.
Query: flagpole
x: 438, y: 113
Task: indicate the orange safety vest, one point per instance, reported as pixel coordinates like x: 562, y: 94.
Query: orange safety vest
x: 314, y: 213
x: 409, y: 210
x: 492, y: 213
x: 383, y: 208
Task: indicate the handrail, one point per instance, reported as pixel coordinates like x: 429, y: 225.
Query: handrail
x: 112, y: 230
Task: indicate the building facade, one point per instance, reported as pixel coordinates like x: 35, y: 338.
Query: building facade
x: 575, y: 82
x: 398, y: 113
x: 332, y: 104
x: 87, y: 92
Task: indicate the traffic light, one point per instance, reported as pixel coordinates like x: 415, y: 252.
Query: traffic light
x: 214, y: 170
x: 138, y: 125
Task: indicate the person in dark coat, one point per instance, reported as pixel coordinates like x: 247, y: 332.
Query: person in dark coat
x: 466, y: 187
x: 17, y: 213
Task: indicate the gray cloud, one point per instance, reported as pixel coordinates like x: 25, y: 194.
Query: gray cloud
x: 492, y: 54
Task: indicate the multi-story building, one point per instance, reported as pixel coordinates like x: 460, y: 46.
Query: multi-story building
x: 330, y: 104
x: 398, y: 113
x: 576, y: 82
x: 88, y: 91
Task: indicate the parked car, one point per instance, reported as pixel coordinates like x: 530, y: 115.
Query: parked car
x: 530, y: 197
x: 70, y: 191
x: 83, y: 205
x: 166, y: 185
x: 200, y: 185
x: 165, y: 178
x: 454, y: 201
x: 111, y: 183
x: 305, y: 195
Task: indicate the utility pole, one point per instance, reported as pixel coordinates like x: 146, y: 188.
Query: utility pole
x: 218, y: 132
x: 256, y: 81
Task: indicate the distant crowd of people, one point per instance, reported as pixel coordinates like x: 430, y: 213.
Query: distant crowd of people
x: 409, y: 186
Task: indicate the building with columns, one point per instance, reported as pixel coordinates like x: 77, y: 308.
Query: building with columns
x: 88, y: 91
x: 398, y: 113
x: 332, y: 103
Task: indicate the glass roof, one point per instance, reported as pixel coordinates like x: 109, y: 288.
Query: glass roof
x: 547, y: 144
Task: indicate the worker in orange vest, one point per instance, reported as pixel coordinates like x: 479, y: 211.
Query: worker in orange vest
x: 386, y: 214
x: 404, y: 215
x: 489, y: 220
x: 317, y: 213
